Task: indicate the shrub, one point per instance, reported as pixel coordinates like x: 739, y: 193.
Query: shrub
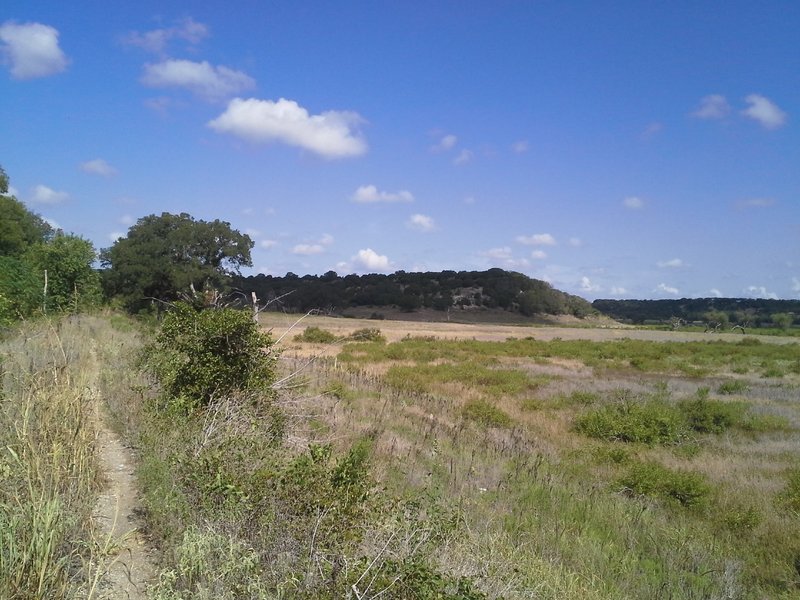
x: 790, y: 496
x: 652, y: 479
x: 368, y: 334
x: 198, y: 354
x: 653, y: 422
x: 736, y: 386
x: 485, y: 414
x: 711, y: 416
x: 315, y: 335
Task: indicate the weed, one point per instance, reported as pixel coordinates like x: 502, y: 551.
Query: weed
x: 652, y: 479
x: 315, y: 335
x: 648, y: 422
x: 736, y: 386
x: 485, y: 414
x: 367, y: 334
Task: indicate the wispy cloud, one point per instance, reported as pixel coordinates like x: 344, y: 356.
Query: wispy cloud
x: 308, y: 249
x: 759, y: 291
x: 370, y: 194
x: 31, y: 50
x: 98, y: 167
x: 331, y: 134
x: 46, y: 195
x: 756, y: 203
x: 764, y: 111
x: 520, y: 146
x: 714, y: 106
x: 502, y: 253
x: 200, y: 78
x: 633, y: 203
x: 618, y: 291
x: 663, y: 288
x: 537, y: 239
x: 539, y: 254
x: 445, y: 143
x: 267, y: 244
x: 156, y: 40
x: 673, y: 263
x: 463, y: 157
x: 422, y: 223
x: 586, y: 285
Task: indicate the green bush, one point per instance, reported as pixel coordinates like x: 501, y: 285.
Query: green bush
x: 737, y: 386
x: 649, y: 422
x: 485, y: 414
x: 652, y: 479
x: 790, y: 496
x: 711, y: 416
x: 316, y: 335
x: 199, y: 354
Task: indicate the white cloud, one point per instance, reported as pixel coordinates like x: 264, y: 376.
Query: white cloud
x: 759, y: 291
x: 520, y: 146
x: 372, y: 261
x: 587, y: 285
x: 764, y: 111
x: 447, y: 142
x: 714, y: 106
x: 126, y: 220
x: 470, y: 200
x: 667, y: 289
x: 575, y: 242
x: 45, y: 195
x: 156, y: 40
x: 267, y: 244
x: 201, y: 78
x: 633, y: 203
x: 369, y: 194
x: 463, y: 157
x: 503, y: 253
x: 537, y: 239
x: 715, y: 292
x: 331, y: 134
x: 308, y: 249
x: 253, y: 233
x: 652, y: 129
x: 618, y: 291
x: 326, y: 239
x: 756, y: 203
x: 421, y: 223
x: 12, y: 191
x: 115, y: 235
x: 98, y: 167
x: 795, y: 284
x: 538, y: 254
x: 31, y: 50
x: 673, y: 263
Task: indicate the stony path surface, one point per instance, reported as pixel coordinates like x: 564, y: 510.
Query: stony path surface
x: 131, y: 562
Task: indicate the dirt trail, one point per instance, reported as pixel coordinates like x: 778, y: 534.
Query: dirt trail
x: 116, y: 515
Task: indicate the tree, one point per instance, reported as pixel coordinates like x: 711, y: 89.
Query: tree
x: 164, y: 255
x: 782, y: 320
x: 19, y: 227
x: 66, y: 264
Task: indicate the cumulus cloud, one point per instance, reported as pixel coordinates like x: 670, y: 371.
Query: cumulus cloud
x: 156, y: 40
x: 714, y: 106
x: 633, y: 203
x: 503, y: 253
x: 759, y: 291
x: 539, y: 254
x: 31, y: 50
x: 673, y: 263
x: 370, y: 260
x: 663, y: 288
x: 587, y: 285
x: 764, y: 111
x: 537, y: 239
x: 520, y: 146
x: 115, y: 235
x: 45, y: 195
x: 200, y: 78
x: 421, y: 223
x: 98, y: 167
x: 267, y: 244
x: 715, y: 293
x: 447, y: 142
x: 331, y: 134
x: 795, y: 284
x: 618, y: 291
x: 463, y: 157
x: 369, y: 194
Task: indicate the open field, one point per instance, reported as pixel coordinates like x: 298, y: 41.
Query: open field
x: 595, y: 463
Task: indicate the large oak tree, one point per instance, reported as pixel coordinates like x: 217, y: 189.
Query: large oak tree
x: 163, y: 255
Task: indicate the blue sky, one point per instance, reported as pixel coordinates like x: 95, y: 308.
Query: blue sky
x: 614, y: 149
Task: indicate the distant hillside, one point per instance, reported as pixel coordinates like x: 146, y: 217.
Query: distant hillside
x: 447, y: 290
x: 743, y: 311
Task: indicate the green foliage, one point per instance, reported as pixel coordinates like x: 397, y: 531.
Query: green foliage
x: 648, y: 422
x: 652, y: 479
x: 782, y: 321
x: 425, y: 378
x: 20, y: 290
x: 486, y: 414
x: 200, y: 354
x: 316, y: 335
x: 19, y: 228
x: 711, y: 416
x: 735, y: 386
x: 72, y: 282
x: 367, y: 334
x: 790, y: 496
x: 162, y: 256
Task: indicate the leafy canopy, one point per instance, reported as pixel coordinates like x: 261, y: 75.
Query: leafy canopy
x: 19, y: 227
x: 164, y: 255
